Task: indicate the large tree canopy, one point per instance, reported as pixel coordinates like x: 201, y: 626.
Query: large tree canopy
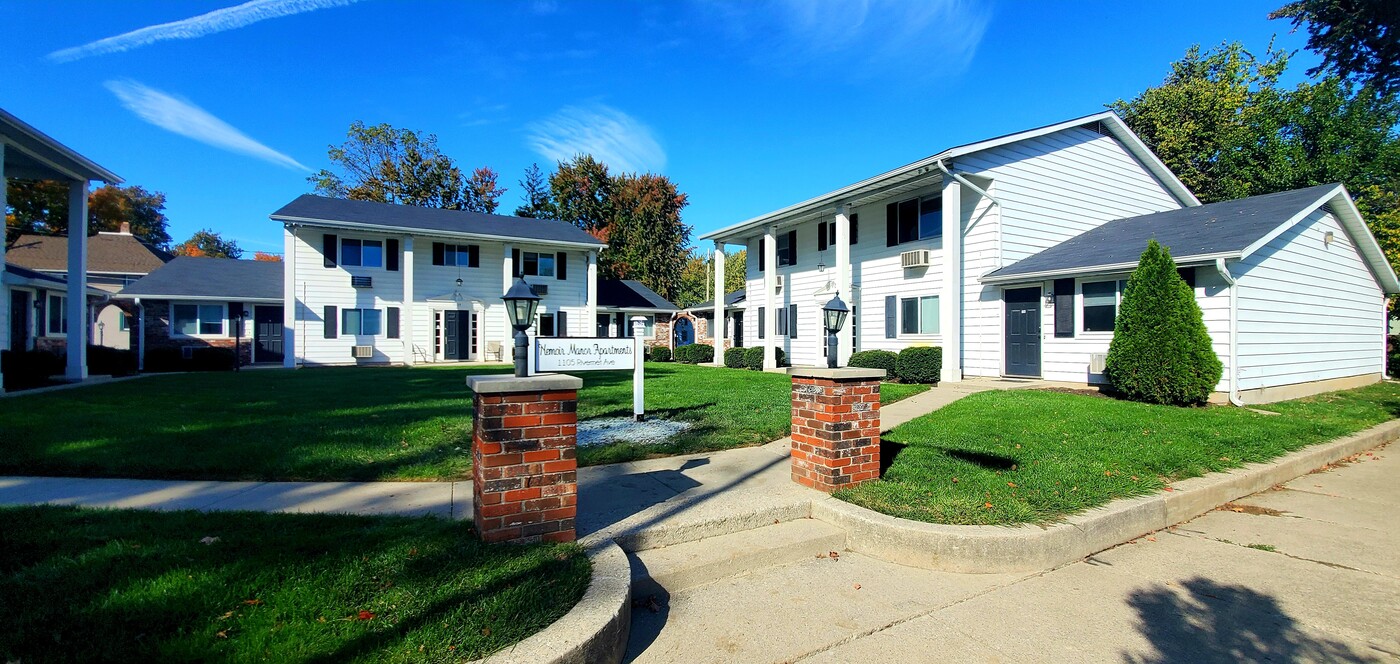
x: 41, y: 207
x: 210, y: 244
x: 1225, y: 126
x: 388, y: 165
x: 1358, y: 40
x: 697, y: 277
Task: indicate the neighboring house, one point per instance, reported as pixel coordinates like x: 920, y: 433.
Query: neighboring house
x: 37, y: 309
x: 619, y: 301
x: 702, y: 316
x: 114, y: 261
x: 28, y: 154
x: 192, y: 303
x: 943, y: 252
x: 375, y: 283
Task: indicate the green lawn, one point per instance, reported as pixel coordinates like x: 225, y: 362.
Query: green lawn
x: 390, y: 423
x: 1029, y: 456
x: 94, y: 585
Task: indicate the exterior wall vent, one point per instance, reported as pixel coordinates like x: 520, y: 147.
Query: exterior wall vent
x: 1097, y: 362
x: 915, y: 258
x: 362, y: 282
x: 362, y: 352
x: 540, y: 289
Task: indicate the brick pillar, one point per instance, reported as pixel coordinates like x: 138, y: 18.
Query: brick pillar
x: 835, y: 427
x: 524, y: 472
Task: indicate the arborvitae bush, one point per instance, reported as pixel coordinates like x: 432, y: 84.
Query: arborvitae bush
x: 1161, y: 352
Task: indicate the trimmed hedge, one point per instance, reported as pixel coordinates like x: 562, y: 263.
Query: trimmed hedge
x: 661, y: 354
x: 701, y: 353
x: 1392, y: 355
x: 683, y: 354
x: 160, y: 360
x: 876, y: 359
x: 753, y: 357
x: 919, y: 364
x: 104, y: 361
x: 734, y: 358
x: 30, y: 368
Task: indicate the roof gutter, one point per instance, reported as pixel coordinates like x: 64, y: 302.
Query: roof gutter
x: 1095, y: 270
x: 1234, y: 317
x: 983, y: 192
x: 382, y: 228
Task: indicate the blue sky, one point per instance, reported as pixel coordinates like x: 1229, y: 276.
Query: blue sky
x: 747, y: 106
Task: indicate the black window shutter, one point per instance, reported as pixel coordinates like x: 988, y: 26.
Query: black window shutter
x: 438, y: 254
x: 393, y: 322
x: 891, y: 224
x: 891, y: 317
x: 1188, y: 274
x: 761, y: 253
x: 330, y: 322
x: 1064, y: 308
x: 855, y: 228
x: 761, y: 326
x: 515, y: 267
x: 792, y: 247
x: 561, y: 323
x: 473, y: 255
x: 781, y: 322
x: 792, y: 321
x: 391, y: 255
x: 328, y: 249
x: 561, y: 268
x: 821, y: 236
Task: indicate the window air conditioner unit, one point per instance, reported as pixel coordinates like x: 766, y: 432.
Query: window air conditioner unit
x: 362, y: 352
x: 778, y: 278
x: 362, y: 282
x: 915, y: 258
x: 540, y: 289
x: 1097, y: 362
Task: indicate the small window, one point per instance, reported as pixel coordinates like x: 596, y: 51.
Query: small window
x: 58, y: 315
x: 197, y: 319
x: 919, y: 315
x: 361, y: 253
x: 538, y: 264
x: 784, y: 249
x: 546, y: 326
x: 1100, y: 305
x: 361, y: 322
x: 916, y: 219
x: 930, y: 218
x: 123, y: 322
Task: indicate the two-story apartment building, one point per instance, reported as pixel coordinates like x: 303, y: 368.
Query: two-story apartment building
x: 375, y: 283
x: 990, y: 250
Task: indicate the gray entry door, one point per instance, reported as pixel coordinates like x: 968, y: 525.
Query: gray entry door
x: 1023, y: 332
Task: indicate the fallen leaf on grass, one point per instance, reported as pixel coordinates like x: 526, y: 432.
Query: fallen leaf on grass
x: 223, y: 634
x: 1011, y: 484
x: 226, y: 616
x: 252, y: 602
x: 365, y: 615
x: 206, y: 541
x: 989, y: 506
x: 486, y: 631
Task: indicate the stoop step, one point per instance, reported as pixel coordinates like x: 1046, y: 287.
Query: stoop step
x: 674, y: 568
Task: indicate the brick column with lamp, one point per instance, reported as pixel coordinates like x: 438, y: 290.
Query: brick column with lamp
x: 835, y: 427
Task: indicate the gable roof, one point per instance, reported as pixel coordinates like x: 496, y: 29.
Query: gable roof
x: 730, y: 300
x: 115, y: 253
x: 629, y: 294
x: 203, y: 278
x: 312, y: 210
x: 1228, y: 230
x: 16, y: 275
x: 927, y: 171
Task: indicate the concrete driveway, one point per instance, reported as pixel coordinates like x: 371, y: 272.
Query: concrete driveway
x: 1309, y: 571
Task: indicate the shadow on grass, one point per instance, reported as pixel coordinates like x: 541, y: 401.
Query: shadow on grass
x: 982, y: 459
x: 1209, y: 621
x: 888, y: 451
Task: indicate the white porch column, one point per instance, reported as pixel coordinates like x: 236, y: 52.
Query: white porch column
x: 4, y: 292
x: 407, y: 317
x: 290, y: 304
x: 950, y: 296
x: 717, y: 323
x: 845, y: 339
x: 770, y: 297
x: 507, y: 278
x: 77, y: 336
x: 590, y: 312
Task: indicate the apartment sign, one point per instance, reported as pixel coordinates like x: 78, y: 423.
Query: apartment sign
x: 553, y: 354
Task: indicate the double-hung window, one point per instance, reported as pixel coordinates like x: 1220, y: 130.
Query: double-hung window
x: 915, y: 219
x: 361, y: 322
x: 361, y: 253
x: 456, y: 255
x: 538, y: 264
x: 919, y: 315
x: 1100, y: 305
x: 57, y: 315
x: 194, y: 320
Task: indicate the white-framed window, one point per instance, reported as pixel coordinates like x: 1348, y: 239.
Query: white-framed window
x: 362, y: 322
x: 196, y: 320
x: 123, y: 321
x: 918, y: 315
x: 361, y: 253
x: 57, y: 315
x: 545, y: 326
x: 917, y: 218
x: 1099, y: 302
x: 538, y: 264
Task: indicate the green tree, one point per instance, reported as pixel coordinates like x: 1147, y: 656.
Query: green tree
x: 697, y: 277
x: 538, y: 203
x: 1161, y: 352
x: 209, y: 244
x: 582, y: 191
x: 388, y: 165
x: 41, y: 207
x: 1358, y: 40
x: 645, y: 235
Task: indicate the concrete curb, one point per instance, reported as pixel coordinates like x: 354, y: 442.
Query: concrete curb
x: 991, y: 549
x: 596, y: 629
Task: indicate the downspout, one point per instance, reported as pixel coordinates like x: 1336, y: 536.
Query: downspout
x: 1234, y: 316
x: 140, y: 336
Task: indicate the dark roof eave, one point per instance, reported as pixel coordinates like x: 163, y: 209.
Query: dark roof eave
x: 997, y: 277
x: 356, y: 226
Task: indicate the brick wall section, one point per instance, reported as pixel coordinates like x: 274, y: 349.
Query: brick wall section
x: 835, y: 432
x: 525, y: 474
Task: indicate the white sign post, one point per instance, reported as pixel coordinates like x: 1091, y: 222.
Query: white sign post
x: 557, y: 354
x: 638, y: 330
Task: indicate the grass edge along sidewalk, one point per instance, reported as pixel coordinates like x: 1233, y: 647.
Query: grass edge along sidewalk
x: 1036, y: 456
x: 124, y: 585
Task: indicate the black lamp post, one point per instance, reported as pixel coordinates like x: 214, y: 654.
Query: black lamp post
x: 521, y: 303
x: 833, y: 317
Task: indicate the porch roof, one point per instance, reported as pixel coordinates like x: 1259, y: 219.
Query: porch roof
x: 31, y: 154
x: 202, y: 278
x: 627, y: 294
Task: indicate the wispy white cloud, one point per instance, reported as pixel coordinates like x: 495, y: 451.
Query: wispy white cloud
x: 179, y: 116
x: 219, y: 20
x: 611, y: 136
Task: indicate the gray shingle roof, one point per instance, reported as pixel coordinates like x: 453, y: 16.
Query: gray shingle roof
x: 26, y: 273
x: 729, y: 300
x: 223, y: 278
x: 1216, y: 228
x: 310, y: 208
x: 629, y: 294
